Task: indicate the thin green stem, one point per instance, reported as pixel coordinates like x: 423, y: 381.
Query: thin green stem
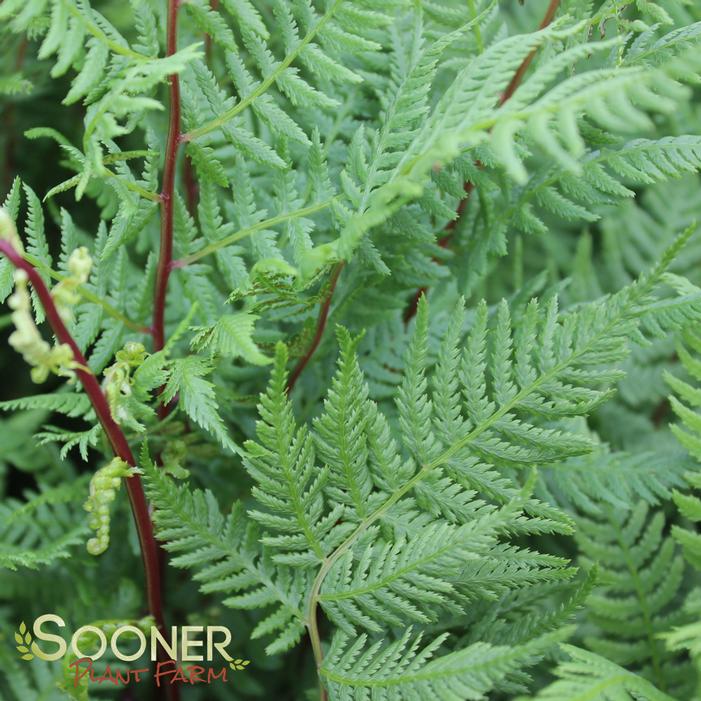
x: 313, y: 630
x: 644, y: 608
x: 146, y: 194
x: 267, y: 82
x: 86, y: 294
x: 476, y: 27
x: 243, y: 233
x: 114, y: 46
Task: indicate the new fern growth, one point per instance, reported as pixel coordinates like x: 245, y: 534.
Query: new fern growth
x: 104, y: 485
x: 388, y: 299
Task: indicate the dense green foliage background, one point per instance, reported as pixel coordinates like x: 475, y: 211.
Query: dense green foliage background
x: 424, y: 424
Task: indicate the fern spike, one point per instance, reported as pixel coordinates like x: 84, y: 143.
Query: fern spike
x: 114, y: 434
x: 103, y: 490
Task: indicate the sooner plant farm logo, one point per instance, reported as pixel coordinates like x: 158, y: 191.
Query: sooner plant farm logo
x: 190, y: 655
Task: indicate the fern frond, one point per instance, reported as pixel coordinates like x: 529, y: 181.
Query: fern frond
x: 231, y: 337
x: 616, y: 479
x: 464, y: 118
x: 685, y: 405
x: 402, y: 669
x: 641, y: 576
x: 15, y: 84
x: 438, y: 569
x: 298, y: 179
x: 687, y: 638
x: 226, y: 557
x: 339, y: 28
x: 341, y: 434
x: 197, y: 395
x: 585, y: 675
x: 83, y: 440
x: 42, y: 530
x: 72, y: 405
x: 288, y: 484
x: 689, y: 506
x: 687, y: 397
x: 602, y: 180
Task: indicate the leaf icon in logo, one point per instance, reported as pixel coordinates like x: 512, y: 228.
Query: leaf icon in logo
x: 239, y: 664
x: 23, y: 638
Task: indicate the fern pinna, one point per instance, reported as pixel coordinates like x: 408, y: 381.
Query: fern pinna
x: 374, y: 310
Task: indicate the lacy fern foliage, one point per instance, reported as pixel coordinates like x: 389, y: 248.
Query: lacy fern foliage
x: 374, y: 310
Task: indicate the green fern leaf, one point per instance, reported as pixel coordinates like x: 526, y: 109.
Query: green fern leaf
x: 588, y: 676
x: 197, y: 396
x: 231, y: 337
x: 226, y: 556
x: 400, y: 670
